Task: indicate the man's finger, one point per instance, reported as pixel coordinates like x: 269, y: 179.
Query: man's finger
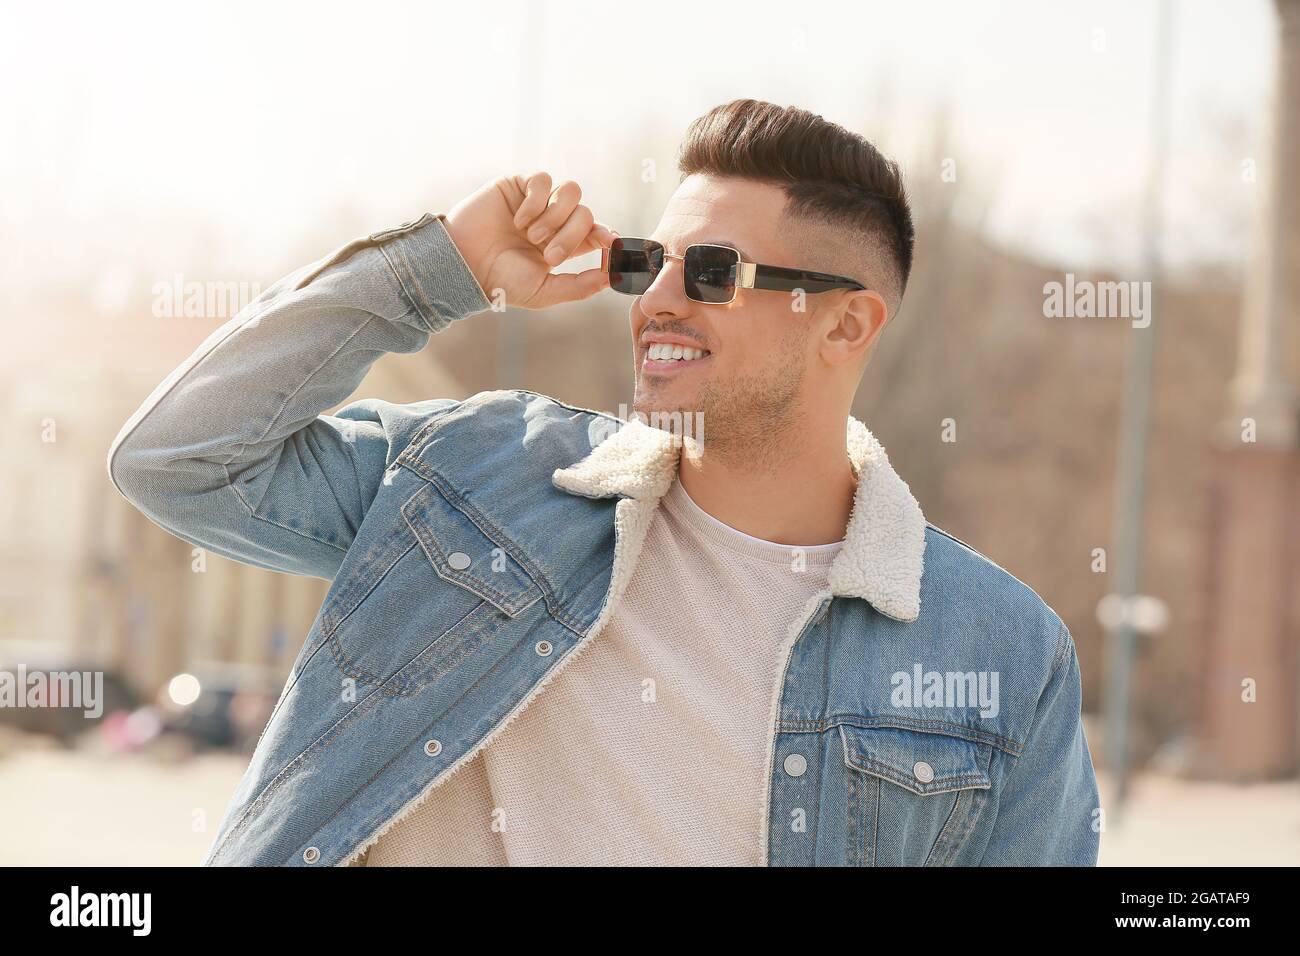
x: 537, y: 193
x: 570, y: 287
x: 564, y: 200
x: 600, y: 237
x: 570, y: 236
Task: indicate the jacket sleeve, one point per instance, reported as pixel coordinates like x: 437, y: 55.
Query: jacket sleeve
x: 232, y: 451
x: 1049, y: 810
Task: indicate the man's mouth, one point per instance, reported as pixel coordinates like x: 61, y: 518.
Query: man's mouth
x: 665, y: 357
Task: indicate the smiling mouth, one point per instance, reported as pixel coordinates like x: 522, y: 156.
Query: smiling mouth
x: 663, y: 357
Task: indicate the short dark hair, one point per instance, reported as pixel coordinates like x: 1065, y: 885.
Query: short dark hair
x: 829, y: 174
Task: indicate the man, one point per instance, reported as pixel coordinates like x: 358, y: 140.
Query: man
x: 555, y: 638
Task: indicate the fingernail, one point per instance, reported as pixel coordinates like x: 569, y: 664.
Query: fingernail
x: 537, y: 234
x: 554, y: 255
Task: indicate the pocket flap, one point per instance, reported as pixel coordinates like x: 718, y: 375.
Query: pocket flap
x: 923, y: 762
x: 462, y: 553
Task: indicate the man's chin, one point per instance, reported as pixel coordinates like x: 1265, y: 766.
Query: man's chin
x: 684, y: 424
x: 646, y: 406
x: 654, y: 394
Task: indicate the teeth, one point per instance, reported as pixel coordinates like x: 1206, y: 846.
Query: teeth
x: 663, y: 352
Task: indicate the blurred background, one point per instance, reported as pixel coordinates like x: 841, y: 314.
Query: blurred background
x: 163, y: 162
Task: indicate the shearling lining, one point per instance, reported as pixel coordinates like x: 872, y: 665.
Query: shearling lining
x: 884, y: 544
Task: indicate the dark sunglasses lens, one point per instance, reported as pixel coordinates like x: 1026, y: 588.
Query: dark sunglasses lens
x: 633, y: 265
x: 710, y: 273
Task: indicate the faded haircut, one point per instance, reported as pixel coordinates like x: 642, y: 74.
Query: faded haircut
x: 831, y: 177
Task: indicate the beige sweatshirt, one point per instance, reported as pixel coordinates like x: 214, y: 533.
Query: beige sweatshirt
x: 649, y: 747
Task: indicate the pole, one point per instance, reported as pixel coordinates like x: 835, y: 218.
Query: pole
x: 1134, y: 430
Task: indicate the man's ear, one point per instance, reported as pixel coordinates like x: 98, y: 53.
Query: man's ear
x: 853, y: 326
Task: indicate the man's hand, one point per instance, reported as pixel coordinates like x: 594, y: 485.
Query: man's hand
x: 515, y: 230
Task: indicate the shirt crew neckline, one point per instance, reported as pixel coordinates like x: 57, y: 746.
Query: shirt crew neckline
x: 679, y: 502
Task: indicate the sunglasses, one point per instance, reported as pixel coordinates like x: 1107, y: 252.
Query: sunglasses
x: 712, y: 273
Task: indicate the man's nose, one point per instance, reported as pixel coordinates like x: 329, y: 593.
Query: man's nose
x: 667, y: 293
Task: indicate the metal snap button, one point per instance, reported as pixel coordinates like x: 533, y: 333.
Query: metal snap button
x: 543, y: 648
x: 795, y: 765
x: 922, y: 771
x: 458, y: 560
x: 310, y: 855
x: 433, y: 748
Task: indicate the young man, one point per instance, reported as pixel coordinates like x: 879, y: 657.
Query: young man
x: 555, y: 638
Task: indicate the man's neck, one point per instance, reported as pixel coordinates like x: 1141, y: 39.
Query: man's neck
x: 802, y: 498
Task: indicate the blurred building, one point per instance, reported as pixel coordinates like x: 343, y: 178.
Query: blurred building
x: 88, y: 581
x: 1249, y: 723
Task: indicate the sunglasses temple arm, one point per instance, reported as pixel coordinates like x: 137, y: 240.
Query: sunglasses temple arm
x: 746, y: 274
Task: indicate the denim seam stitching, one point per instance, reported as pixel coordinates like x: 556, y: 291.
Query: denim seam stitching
x: 401, y: 281
x: 939, y: 785
x: 290, y: 684
x: 305, y: 382
x: 252, y: 513
x: 1063, y: 644
x: 856, y: 824
x: 914, y: 724
x: 493, y: 534
x: 494, y: 540
x: 875, y: 823
x: 969, y: 819
x: 395, y: 806
x: 470, y: 582
x: 370, y: 702
x: 411, y: 458
x: 936, y: 857
x: 116, y: 447
x: 395, y: 685
x: 331, y: 621
x: 271, y: 424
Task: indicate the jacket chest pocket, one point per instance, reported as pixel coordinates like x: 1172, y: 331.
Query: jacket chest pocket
x: 425, y: 595
x: 914, y: 795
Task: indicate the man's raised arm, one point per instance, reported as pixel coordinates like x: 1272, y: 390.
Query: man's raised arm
x: 232, y: 451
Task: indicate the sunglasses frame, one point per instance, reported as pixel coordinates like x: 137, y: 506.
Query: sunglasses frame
x: 749, y: 275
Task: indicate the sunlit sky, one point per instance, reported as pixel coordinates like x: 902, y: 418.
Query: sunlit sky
x: 131, y: 129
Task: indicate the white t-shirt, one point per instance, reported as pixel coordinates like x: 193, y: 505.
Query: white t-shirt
x: 649, y: 747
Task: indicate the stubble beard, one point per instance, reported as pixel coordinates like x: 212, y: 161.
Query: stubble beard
x: 751, y: 422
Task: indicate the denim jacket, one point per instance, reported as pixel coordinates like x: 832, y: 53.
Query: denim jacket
x: 927, y: 705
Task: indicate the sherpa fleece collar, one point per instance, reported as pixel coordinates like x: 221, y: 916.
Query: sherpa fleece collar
x: 884, y: 544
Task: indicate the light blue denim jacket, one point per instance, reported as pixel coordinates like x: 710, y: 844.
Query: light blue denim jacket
x: 927, y: 707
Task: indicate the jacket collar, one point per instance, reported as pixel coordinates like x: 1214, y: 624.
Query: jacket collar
x: 884, y: 543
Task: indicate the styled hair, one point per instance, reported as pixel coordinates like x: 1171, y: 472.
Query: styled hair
x: 828, y: 174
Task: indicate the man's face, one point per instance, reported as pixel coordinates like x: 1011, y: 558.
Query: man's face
x: 756, y: 347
